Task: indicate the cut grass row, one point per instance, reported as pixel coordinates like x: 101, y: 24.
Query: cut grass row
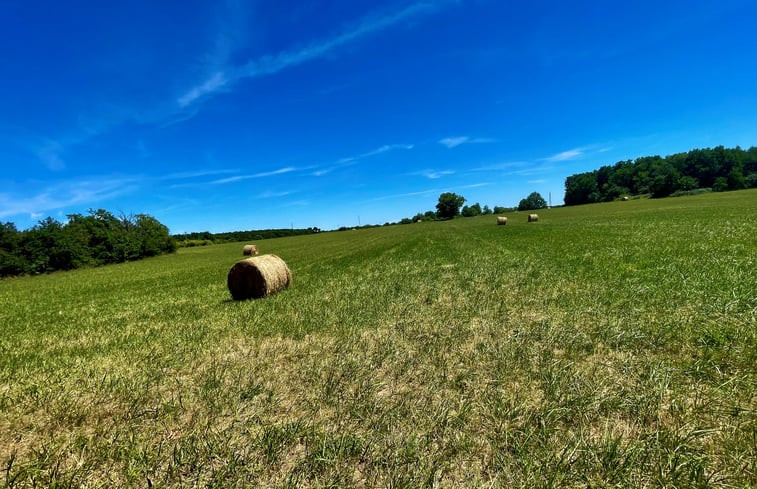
x: 608, y: 345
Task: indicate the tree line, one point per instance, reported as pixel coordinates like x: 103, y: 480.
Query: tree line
x: 717, y: 169
x: 451, y: 205
x: 206, y: 237
x: 96, y: 239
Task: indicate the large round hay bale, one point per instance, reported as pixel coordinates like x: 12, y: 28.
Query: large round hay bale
x: 249, y: 250
x: 501, y: 221
x: 533, y: 217
x: 259, y: 276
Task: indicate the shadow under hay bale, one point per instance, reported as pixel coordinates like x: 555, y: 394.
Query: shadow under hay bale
x: 501, y: 221
x: 533, y: 217
x: 260, y: 276
x: 250, y: 250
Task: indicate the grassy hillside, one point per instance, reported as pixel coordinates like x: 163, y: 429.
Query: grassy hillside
x: 606, y: 345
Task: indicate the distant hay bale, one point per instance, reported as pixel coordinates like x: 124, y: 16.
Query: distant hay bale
x: 259, y: 276
x: 501, y: 221
x: 625, y: 197
x: 533, y: 217
x: 249, y: 250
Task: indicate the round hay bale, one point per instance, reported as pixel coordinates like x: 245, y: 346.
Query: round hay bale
x: 249, y: 250
x: 501, y: 221
x: 625, y: 197
x: 533, y: 217
x: 259, y: 276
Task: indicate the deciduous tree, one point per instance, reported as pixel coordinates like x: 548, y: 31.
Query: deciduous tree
x: 449, y: 205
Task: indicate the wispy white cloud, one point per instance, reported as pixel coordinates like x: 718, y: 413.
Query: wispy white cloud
x: 429, y: 191
x: 65, y: 194
x: 499, y: 166
x: 172, y: 117
x: 50, y: 153
x: 433, y: 174
x: 274, y: 195
x: 408, y: 194
x: 273, y: 63
x: 533, y: 170
x: 177, y: 204
x: 194, y: 174
x: 296, y: 203
x: 377, y: 151
x: 221, y: 75
x: 576, y: 153
x: 570, y: 154
x: 213, y: 84
x: 88, y: 191
x: 276, y: 172
x: 351, y: 160
x: 476, y: 185
x: 453, y: 142
x: 540, y: 166
x: 162, y: 108
x: 239, y: 178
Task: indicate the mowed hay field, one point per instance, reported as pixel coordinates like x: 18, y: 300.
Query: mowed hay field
x: 607, y: 345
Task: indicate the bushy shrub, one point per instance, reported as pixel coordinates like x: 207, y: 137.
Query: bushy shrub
x: 96, y: 239
x: 720, y: 185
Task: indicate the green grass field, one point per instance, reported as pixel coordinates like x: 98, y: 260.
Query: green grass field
x: 608, y: 345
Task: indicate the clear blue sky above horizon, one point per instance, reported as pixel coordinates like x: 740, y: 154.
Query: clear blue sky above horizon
x: 241, y: 115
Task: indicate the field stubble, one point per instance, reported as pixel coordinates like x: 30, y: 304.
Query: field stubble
x: 609, y: 345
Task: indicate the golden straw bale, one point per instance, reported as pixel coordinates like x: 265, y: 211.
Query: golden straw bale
x: 533, y: 217
x: 259, y: 276
x: 250, y: 250
x: 501, y: 221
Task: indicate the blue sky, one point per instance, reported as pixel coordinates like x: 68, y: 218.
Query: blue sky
x: 243, y: 115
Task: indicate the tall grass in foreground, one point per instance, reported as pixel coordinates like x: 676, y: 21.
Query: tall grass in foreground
x: 609, y: 345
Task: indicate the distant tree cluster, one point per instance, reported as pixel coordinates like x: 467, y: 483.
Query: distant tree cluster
x: 718, y: 169
x: 206, y: 237
x: 449, y: 206
x: 96, y: 239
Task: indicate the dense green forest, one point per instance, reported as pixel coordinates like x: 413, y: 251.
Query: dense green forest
x: 92, y: 240
x: 718, y: 169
